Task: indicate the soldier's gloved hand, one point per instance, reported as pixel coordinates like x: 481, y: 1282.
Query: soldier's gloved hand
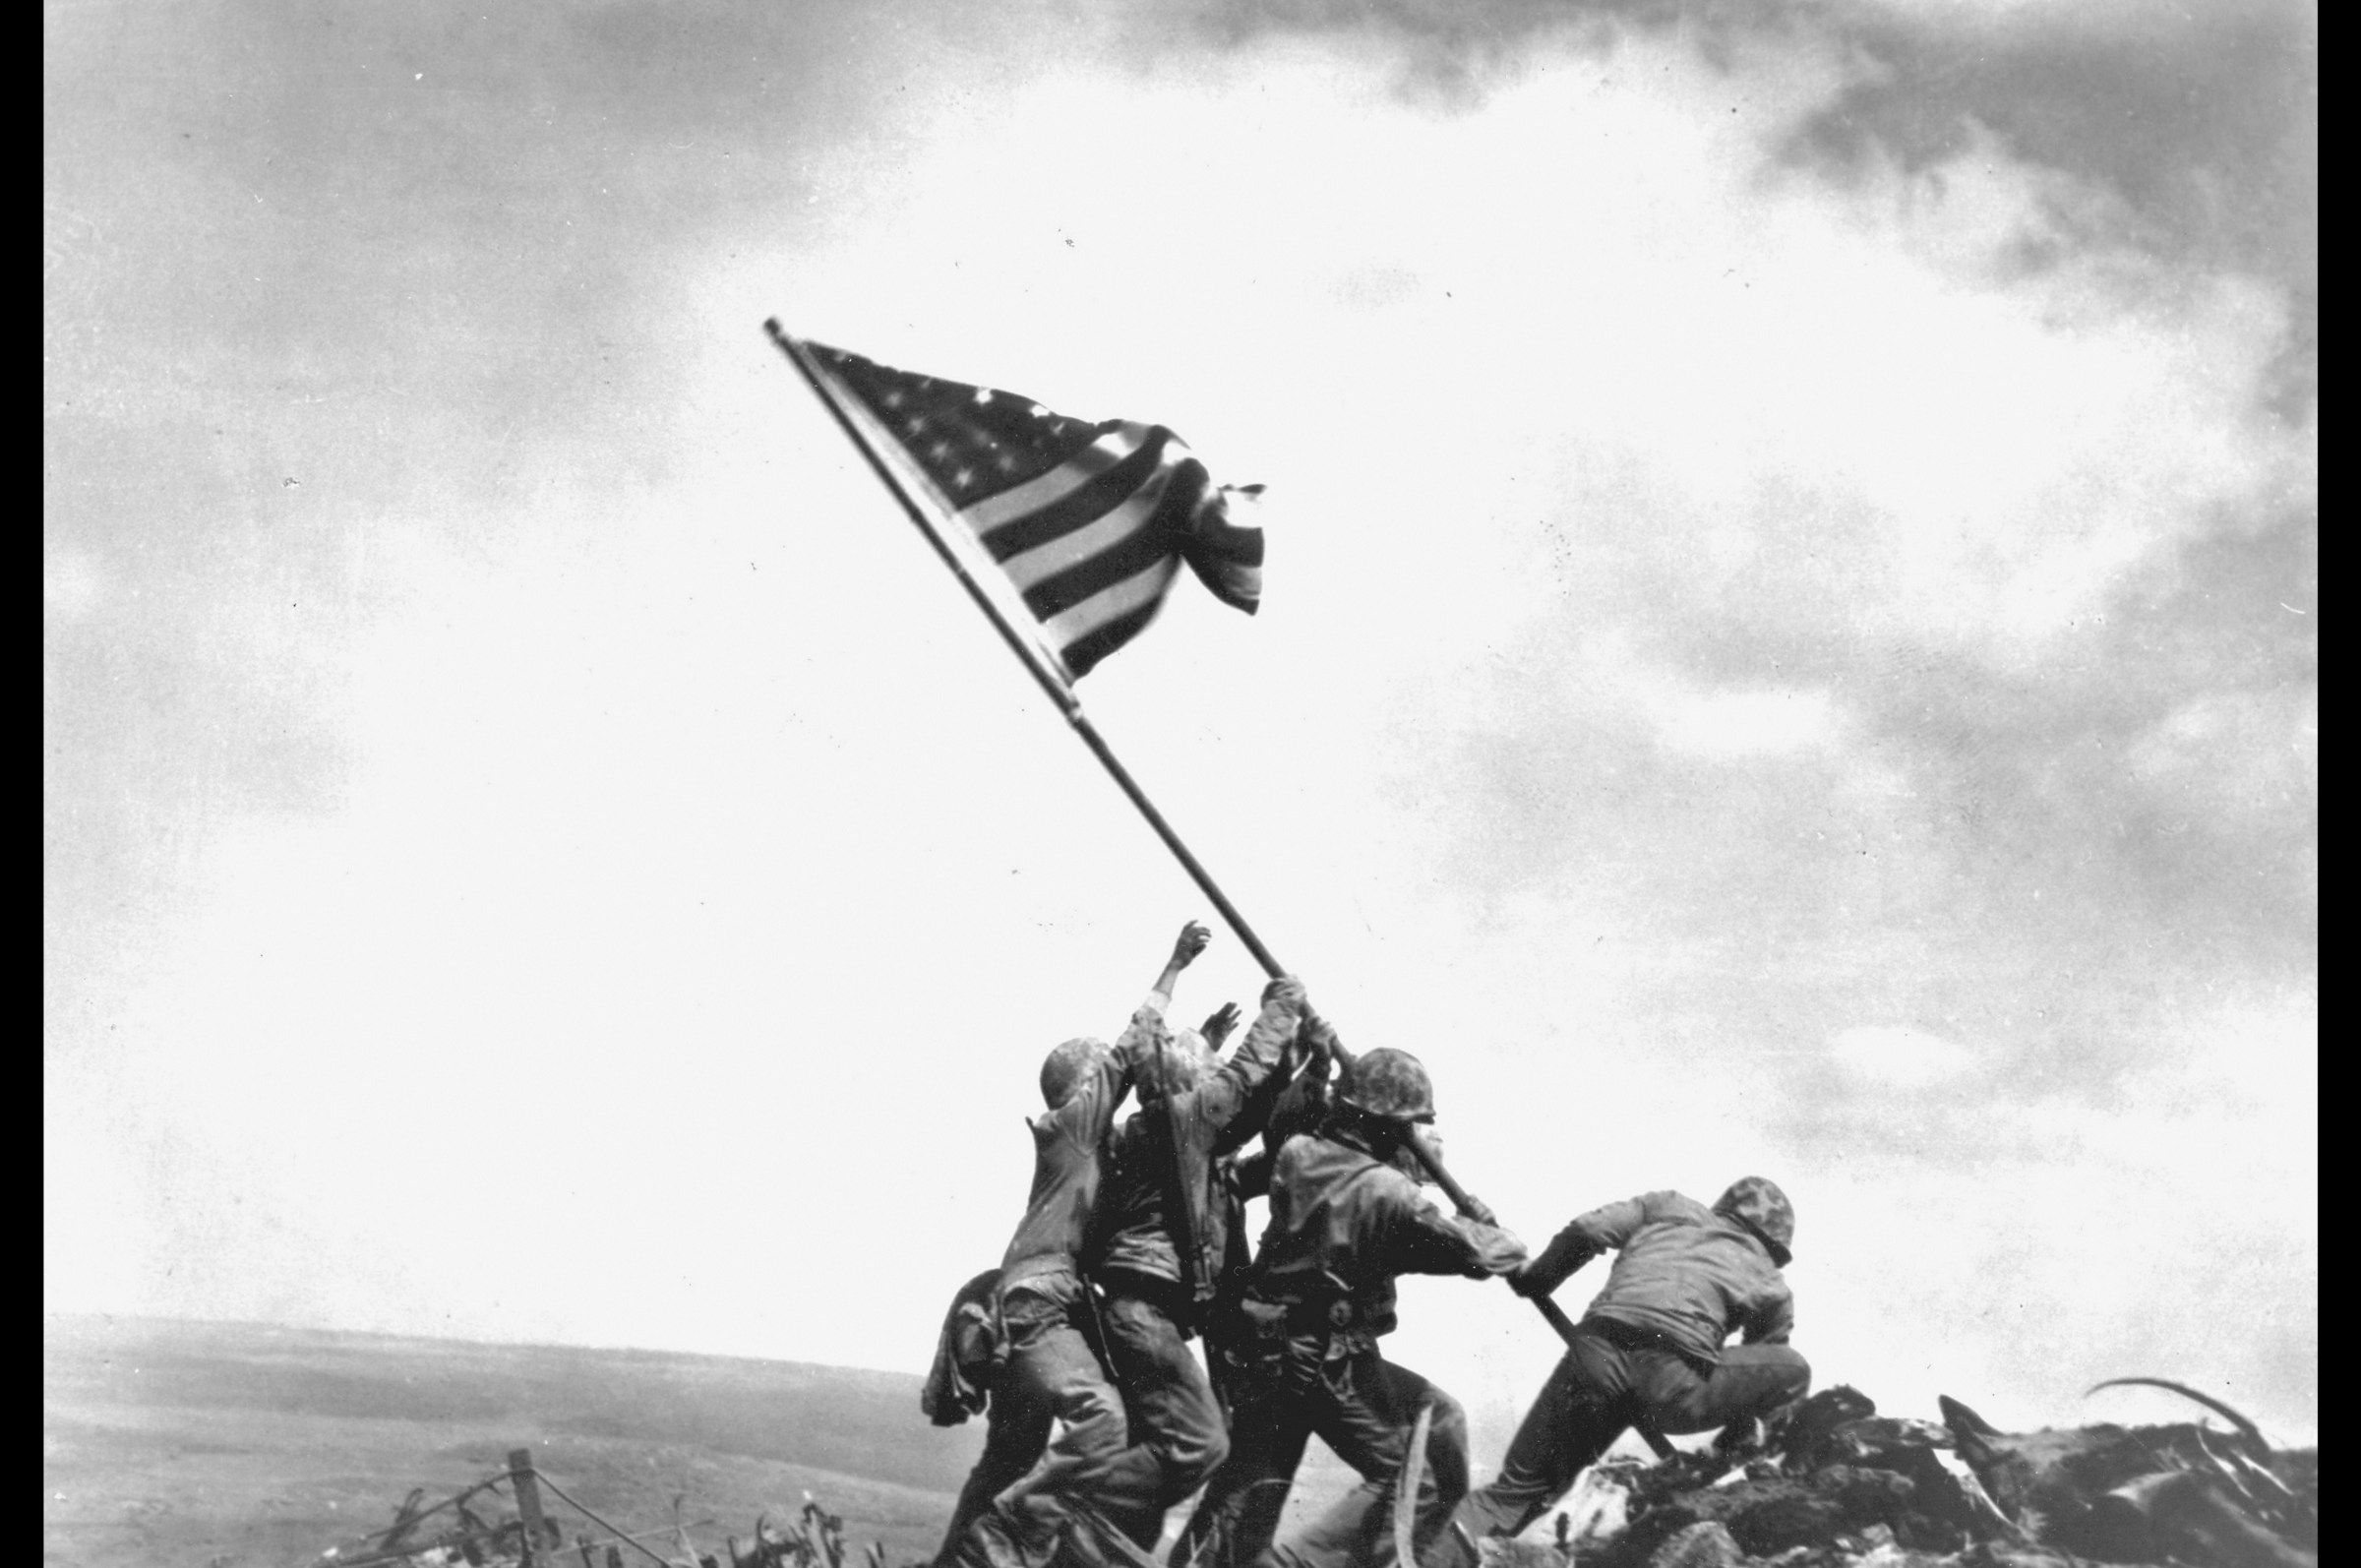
x: 1191, y: 942
x: 1217, y: 1027
x: 1566, y: 1253
x: 1497, y: 1252
x: 1288, y: 991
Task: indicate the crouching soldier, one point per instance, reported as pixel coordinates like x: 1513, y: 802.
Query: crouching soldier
x: 1161, y: 1234
x: 1650, y: 1348
x: 1346, y: 1220
x: 1050, y: 1371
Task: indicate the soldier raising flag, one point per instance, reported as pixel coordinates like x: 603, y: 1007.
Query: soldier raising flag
x: 1346, y: 1222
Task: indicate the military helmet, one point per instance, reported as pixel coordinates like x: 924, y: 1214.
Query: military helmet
x: 1065, y: 1066
x: 1756, y: 1203
x: 1389, y: 1084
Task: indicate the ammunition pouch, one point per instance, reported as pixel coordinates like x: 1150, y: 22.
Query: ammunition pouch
x: 1244, y: 1331
x: 1264, y: 1323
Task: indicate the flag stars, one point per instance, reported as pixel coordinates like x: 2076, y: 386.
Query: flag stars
x: 893, y: 399
x: 940, y: 451
x: 983, y: 394
x: 913, y: 424
x: 964, y: 477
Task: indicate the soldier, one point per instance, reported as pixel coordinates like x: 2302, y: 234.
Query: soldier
x: 1162, y: 1234
x: 1299, y: 1105
x: 1041, y: 1310
x: 1345, y: 1222
x: 1649, y: 1348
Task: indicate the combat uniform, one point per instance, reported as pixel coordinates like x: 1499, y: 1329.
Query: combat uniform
x: 1052, y: 1372
x: 1650, y: 1347
x: 1163, y: 1159
x: 1321, y: 1292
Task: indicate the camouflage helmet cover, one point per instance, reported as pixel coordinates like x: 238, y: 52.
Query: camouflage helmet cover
x: 1756, y: 1203
x: 1065, y: 1066
x: 1389, y: 1084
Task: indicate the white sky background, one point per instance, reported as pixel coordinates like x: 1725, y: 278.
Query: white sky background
x: 1789, y: 646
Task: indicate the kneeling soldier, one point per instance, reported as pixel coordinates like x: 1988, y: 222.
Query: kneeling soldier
x: 1649, y: 1351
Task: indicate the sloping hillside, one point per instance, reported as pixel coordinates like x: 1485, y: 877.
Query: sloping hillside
x: 236, y: 1444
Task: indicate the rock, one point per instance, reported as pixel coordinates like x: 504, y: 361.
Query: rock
x: 1819, y: 1415
x: 1599, y: 1505
x: 2050, y: 1483
x: 1500, y: 1551
x: 2004, y: 1554
x: 1705, y: 1545
x: 2187, y: 1515
x: 1876, y: 1437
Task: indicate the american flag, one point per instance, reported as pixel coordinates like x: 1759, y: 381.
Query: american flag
x: 1089, y: 521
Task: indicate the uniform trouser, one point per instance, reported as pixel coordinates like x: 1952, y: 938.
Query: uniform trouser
x: 1014, y: 1437
x: 1175, y: 1422
x: 1052, y: 1375
x: 1362, y: 1407
x: 1600, y: 1389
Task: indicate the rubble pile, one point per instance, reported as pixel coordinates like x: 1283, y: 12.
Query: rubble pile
x: 1834, y: 1485
x: 533, y: 1538
x: 1839, y: 1485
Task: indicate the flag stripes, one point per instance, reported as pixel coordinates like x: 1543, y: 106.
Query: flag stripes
x: 1088, y: 523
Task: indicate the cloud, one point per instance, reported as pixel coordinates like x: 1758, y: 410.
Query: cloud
x: 1905, y: 1059
x: 1728, y: 724
x: 2232, y: 760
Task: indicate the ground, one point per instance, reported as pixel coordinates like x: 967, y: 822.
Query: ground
x: 221, y: 1445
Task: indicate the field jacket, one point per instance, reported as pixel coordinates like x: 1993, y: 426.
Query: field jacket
x: 1682, y: 1273
x: 1344, y: 1226
x: 1133, y: 1234
x: 1066, y: 1145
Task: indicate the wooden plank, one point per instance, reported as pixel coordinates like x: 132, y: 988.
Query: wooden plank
x: 528, y: 1497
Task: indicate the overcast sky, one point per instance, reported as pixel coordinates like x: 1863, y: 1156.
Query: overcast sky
x: 1789, y: 646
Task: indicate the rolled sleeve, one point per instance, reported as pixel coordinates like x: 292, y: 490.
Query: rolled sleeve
x: 1586, y: 1236
x: 1423, y: 1240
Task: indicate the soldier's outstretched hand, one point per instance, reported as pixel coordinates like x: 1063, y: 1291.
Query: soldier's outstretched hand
x: 1288, y: 991
x: 1191, y: 942
x: 1498, y: 1250
x: 1218, y: 1025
